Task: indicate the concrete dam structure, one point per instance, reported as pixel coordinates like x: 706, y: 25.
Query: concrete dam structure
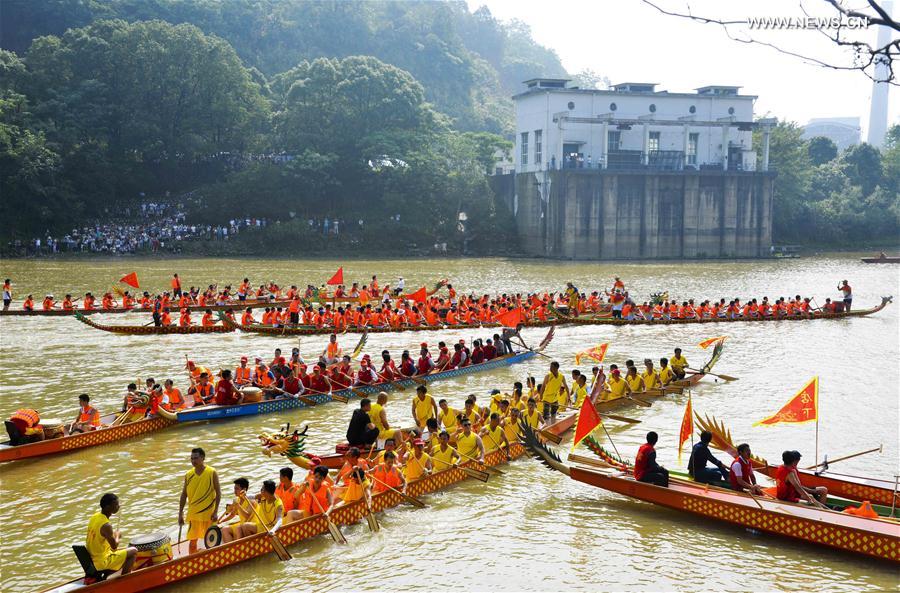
x: 605, y: 214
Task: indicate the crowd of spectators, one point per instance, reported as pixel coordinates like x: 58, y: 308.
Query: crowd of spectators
x: 152, y: 226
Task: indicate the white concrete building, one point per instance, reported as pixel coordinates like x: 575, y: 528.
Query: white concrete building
x: 843, y: 131
x: 635, y: 127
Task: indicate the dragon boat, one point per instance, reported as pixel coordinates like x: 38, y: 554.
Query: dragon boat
x: 860, y: 489
x: 144, y: 330
x: 100, y: 311
x: 311, y: 330
x: 874, y: 537
x: 604, y: 319
x: 117, y: 432
x: 184, y: 565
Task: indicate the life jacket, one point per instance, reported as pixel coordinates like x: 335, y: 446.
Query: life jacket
x: 746, y: 471
x: 784, y: 490
x: 176, y: 401
x: 242, y: 375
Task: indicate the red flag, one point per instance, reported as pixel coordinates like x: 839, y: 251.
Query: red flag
x: 687, y: 426
x: 420, y: 296
x: 710, y: 341
x: 338, y: 277
x: 511, y: 318
x: 131, y: 280
x: 588, y: 420
x: 597, y: 353
x: 803, y: 407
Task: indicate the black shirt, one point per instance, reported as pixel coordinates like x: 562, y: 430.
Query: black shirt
x: 356, y: 432
x: 700, y: 456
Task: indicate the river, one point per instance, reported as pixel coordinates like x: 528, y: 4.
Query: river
x: 527, y: 530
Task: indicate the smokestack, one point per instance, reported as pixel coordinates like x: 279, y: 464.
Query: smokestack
x: 878, y: 114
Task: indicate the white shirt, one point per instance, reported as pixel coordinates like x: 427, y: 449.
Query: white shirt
x: 736, y: 468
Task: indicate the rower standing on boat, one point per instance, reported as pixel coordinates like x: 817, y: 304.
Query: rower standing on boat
x: 700, y: 456
x: 552, y: 389
x: 7, y: 294
x: 423, y: 407
x: 202, y: 494
x: 848, y: 294
x: 332, y: 352
x: 88, y: 417
x: 645, y: 467
x: 102, y: 541
x: 362, y: 431
x: 741, y: 473
x: 788, y: 486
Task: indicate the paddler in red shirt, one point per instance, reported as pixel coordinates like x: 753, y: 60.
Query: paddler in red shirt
x: 788, y: 486
x: 226, y: 394
x: 645, y: 467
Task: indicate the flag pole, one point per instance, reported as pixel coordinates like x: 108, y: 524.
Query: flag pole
x: 619, y: 455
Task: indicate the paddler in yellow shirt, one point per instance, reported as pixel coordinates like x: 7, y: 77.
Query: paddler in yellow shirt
x: 447, y: 416
x: 518, y: 400
x: 665, y: 373
x: 533, y: 418
x: 511, y: 425
x: 468, y: 444
x: 678, y: 364
x: 418, y: 463
x: 102, y: 541
x: 634, y: 381
x: 494, y: 436
x: 650, y: 376
x: 581, y: 390
x: 378, y: 416
x: 239, y: 509
x: 442, y: 455
x: 202, y: 494
x: 618, y: 387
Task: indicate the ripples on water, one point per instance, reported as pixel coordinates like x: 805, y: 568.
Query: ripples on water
x: 530, y: 529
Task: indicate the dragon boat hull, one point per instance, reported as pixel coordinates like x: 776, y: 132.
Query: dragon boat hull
x: 185, y: 566
x: 143, y: 330
x: 311, y: 330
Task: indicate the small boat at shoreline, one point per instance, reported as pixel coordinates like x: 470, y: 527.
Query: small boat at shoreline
x: 874, y: 537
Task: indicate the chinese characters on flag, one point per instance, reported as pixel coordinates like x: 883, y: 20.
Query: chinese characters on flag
x: 803, y: 407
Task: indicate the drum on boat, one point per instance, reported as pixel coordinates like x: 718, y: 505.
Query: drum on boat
x: 53, y: 429
x: 155, y: 548
x: 252, y: 394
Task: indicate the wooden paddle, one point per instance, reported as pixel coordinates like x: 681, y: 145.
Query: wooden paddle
x: 830, y: 461
x: 333, y: 529
x: 277, y: 545
x: 625, y: 419
x: 723, y: 377
x: 395, y: 384
x: 638, y: 401
x: 474, y: 473
x: 488, y: 468
x: 371, y: 519
x: 410, y: 499
x: 553, y: 438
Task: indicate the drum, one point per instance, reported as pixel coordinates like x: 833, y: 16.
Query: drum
x: 155, y: 548
x: 252, y: 394
x: 213, y: 536
x: 53, y: 429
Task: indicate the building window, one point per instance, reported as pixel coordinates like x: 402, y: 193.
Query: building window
x: 693, y: 139
x: 524, y: 148
x: 571, y: 105
x: 652, y: 108
x: 612, y: 144
x: 612, y: 107
x: 653, y: 142
x: 537, y: 147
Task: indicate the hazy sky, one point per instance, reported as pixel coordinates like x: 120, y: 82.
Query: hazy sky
x: 627, y: 40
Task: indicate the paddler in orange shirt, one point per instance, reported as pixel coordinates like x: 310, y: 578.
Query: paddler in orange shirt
x: 208, y: 320
x: 185, y: 319
x: 28, y: 305
x: 88, y: 417
x: 88, y: 303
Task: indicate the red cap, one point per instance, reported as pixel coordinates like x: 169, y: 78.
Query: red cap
x: 418, y: 442
x: 424, y: 344
x: 243, y: 359
x: 616, y: 372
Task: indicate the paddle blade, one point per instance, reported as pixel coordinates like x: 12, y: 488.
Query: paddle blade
x: 335, y: 532
x: 474, y: 473
x: 553, y: 438
x: 279, y: 548
x: 621, y: 418
x: 373, y: 522
x: 340, y: 398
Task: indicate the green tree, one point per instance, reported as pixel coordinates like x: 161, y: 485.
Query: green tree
x: 788, y: 155
x: 862, y: 165
x: 821, y: 150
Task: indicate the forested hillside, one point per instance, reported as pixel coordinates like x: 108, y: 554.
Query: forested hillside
x: 468, y: 63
